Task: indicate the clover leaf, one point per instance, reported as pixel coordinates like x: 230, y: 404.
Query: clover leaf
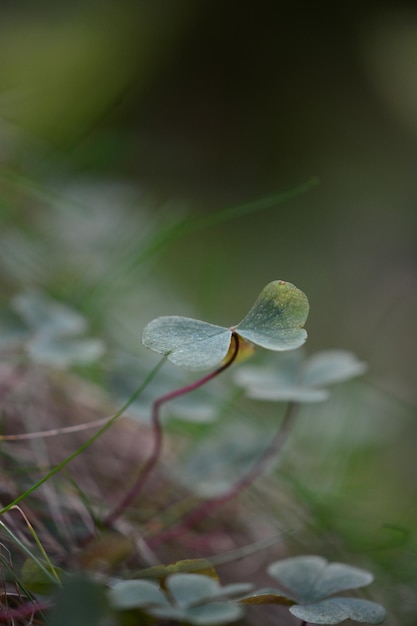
x: 190, y: 598
x: 309, y: 580
x: 275, y: 322
x: 55, y: 334
x: 294, y: 378
x: 337, y: 610
x: 187, y: 342
x: 80, y: 600
x: 132, y: 594
x: 62, y: 352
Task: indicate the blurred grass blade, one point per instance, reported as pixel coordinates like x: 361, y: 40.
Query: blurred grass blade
x: 39, y: 544
x: 29, y: 553
x: 87, y: 443
x: 192, y: 224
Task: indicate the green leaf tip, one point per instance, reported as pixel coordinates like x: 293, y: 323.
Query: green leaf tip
x: 277, y: 318
x: 275, y: 322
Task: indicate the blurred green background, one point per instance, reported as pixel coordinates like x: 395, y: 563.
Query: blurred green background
x: 118, y: 120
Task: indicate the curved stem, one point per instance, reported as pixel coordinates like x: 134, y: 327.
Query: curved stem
x: 157, y: 432
x: 206, y: 507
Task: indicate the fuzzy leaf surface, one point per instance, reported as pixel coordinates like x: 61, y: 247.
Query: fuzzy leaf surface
x: 190, y: 589
x: 311, y: 578
x: 337, y: 610
x: 276, y: 319
x: 187, y: 342
x: 274, y: 322
x: 130, y: 594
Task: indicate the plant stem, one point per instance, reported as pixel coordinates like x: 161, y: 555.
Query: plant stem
x: 206, y: 507
x: 87, y: 443
x: 26, y: 610
x: 146, y: 470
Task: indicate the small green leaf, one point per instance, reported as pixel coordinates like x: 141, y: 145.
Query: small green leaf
x: 215, y: 463
x: 189, y: 589
x: 311, y: 578
x: 187, y: 342
x: 278, y: 382
x: 274, y: 322
x: 194, y: 599
x: 337, y: 610
x: 298, y: 575
x: 331, y: 366
x: 276, y: 319
x: 44, y: 314
x: 293, y: 378
x: 338, y: 577
x: 131, y: 594
x: 55, y: 330
x: 80, y: 601
x: 213, y: 613
x: 36, y: 580
x: 62, y: 352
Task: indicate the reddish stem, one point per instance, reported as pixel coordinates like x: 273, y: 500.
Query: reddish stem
x: 202, y: 510
x: 26, y: 610
x: 146, y: 470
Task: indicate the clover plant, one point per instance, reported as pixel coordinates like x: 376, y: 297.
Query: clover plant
x: 53, y: 334
x: 187, y: 598
x: 189, y: 591
x: 274, y: 322
x: 308, y: 584
x: 299, y: 379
